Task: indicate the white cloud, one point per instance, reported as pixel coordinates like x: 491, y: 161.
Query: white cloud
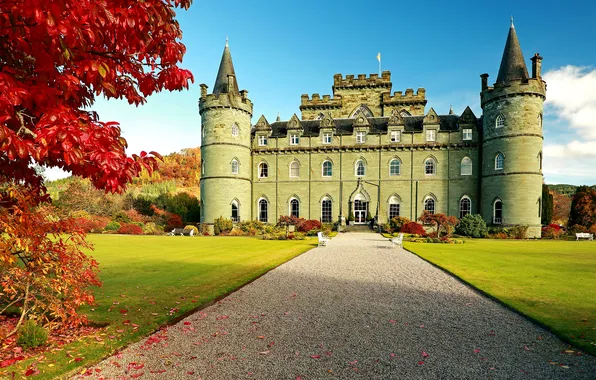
x: 573, y: 149
x: 571, y: 96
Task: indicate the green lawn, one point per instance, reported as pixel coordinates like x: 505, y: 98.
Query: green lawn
x: 150, y: 280
x: 553, y: 282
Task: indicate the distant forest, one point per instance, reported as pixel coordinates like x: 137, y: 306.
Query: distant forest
x: 568, y: 190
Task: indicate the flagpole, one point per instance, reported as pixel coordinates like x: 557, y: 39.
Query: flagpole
x: 379, y: 59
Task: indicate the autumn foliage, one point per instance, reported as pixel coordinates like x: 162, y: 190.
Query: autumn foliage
x: 55, y: 58
x: 440, y: 221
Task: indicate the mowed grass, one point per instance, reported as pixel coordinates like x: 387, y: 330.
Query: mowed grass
x: 151, y: 280
x: 552, y: 282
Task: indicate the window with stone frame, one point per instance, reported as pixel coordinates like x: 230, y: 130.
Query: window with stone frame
x: 235, y: 166
x: 465, y: 207
x: 326, y: 211
x: 430, y: 166
x: 327, y: 168
x: 295, y: 208
x: 499, y: 161
x: 498, y: 212
x: 235, y: 213
x: 360, y: 168
x: 466, y: 166
x: 235, y: 130
x: 263, y: 211
x: 394, y: 167
x: 429, y: 205
x: 431, y: 135
x: 262, y: 140
x: 360, y: 137
x: 395, y: 136
x: 327, y: 137
x: 500, y: 121
x: 393, y: 208
x: 467, y: 134
x: 263, y: 170
x: 295, y: 169
x: 294, y: 139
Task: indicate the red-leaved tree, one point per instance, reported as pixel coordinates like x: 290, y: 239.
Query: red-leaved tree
x: 56, y: 56
x: 440, y: 221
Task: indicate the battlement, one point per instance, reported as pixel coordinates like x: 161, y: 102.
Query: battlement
x: 316, y: 102
x: 532, y: 86
x: 399, y: 97
x: 224, y: 100
x: 362, y: 80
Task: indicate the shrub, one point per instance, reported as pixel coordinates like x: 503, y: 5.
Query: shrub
x: 121, y: 217
x: 222, y: 224
x: 472, y: 225
x: 396, y: 223
x: 31, y: 335
x: 194, y: 228
x: 135, y: 216
x: 413, y: 228
x: 152, y: 229
x: 552, y: 231
x: 308, y: 225
x: 593, y: 229
x: 519, y: 232
x: 576, y: 229
x: 112, y: 226
x: 498, y: 235
x: 251, y: 227
x: 289, y: 221
x: 299, y: 236
x: 130, y: 229
x: 80, y: 214
x: 237, y: 232
x: 95, y: 225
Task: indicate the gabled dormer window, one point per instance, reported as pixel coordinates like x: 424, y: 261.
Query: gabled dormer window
x: 262, y: 140
x: 360, y: 137
x: 467, y: 134
x: 431, y: 135
x: 327, y: 137
x: 294, y: 139
x: 395, y: 136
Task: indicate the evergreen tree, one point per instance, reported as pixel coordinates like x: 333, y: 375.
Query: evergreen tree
x: 547, y: 205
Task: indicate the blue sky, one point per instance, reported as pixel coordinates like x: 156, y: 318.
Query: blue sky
x: 284, y: 49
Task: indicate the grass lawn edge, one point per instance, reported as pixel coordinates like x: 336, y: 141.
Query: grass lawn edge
x: 504, y: 304
x: 179, y: 318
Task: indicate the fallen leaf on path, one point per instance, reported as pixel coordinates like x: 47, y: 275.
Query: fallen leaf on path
x: 265, y: 352
x: 137, y: 375
x: 315, y: 356
x: 187, y: 323
x: 424, y: 354
x: 477, y: 350
x: 420, y: 363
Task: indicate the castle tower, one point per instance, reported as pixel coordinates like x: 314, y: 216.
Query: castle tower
x: 225, y: 147
x: 512, y: 141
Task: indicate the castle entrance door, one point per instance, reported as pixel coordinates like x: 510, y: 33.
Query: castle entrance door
x: 360, y: 211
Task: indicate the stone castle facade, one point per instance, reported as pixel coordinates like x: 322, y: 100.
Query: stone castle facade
x: 366, y: 153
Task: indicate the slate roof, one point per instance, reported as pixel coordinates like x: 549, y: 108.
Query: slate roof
x: 513, y: 67
x: 378, y: 125
x: 226, y: 67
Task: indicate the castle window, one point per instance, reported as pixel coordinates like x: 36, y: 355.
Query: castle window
x: 431, y: 135
x: 203, y: 168
x: 235, y: 214
x: 326, y: 213
x: 294, y: 139
x: 393, y: 207
x: 295, y: 208
x: 466, y: 166
x: 500, y: 121
x: 327, y: 169
x: 467, y: 134
x: 263, y: 212
x: 360, y: 168
x: 360, y: 137
x: 362, y: 108
x: 234, y: 166
x: 539, y: 207
x: 263, y: 170
x: 430, y: 166
x: 394, y: 167
x: 429, y: 205
x: 262, y: 140
x: 499, y: 161
x: 327, y: 136
x: 295, y: 169
x: 540, y: 160
x: 498, y: 212
x: 540, y: 120
x: 465, y: 207
x: 404, y: 113
x: 235, y: 130
x: 395, y: 136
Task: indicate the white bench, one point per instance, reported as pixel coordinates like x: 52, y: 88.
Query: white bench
x: 584, y: 235
x: 322, y: 239
x: 397, y: 241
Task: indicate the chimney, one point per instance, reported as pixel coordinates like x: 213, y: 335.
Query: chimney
x: 484, y: 81
x: 536, y: 66
x: 203, y: 90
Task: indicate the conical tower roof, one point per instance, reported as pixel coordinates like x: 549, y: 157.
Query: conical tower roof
x: 513, y: 66
x: 226, y: 68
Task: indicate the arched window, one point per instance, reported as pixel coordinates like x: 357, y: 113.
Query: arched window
x: 393, y: 207
x: 430, y: 166
x: 263, y: 212
x: 498, y: 212
x: 295, y: 208
x: 394, y: 167
x: 540, y: 120
x: 404, y: 113
x: 499, y: 161
x: 360, y: 168
x: 294, y: 169
x: 326, y: 211
x: 361, y: 108
x: 540, y: 207
x: 203, y: 169
x: 234, y: 166
x: 466, y: 166
x: 263, y: 170
x: 429, y: 205
x: 235, y: 129
x: 540, y: 160
x: 500, y: 121
x: 327, y: 168
x: 235, y: 213
x: 465, y: 206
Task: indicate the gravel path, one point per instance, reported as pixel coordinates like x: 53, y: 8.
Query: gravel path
x: 354, y: 309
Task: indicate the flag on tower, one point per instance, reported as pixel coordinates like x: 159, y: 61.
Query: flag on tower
x: 379, y: 57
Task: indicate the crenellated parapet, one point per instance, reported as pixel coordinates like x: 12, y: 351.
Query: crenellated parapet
x: 530, y: 87
x: 362, y: 81
x: 224, y: 100
x: 408, y: 97
x: 316, y: 102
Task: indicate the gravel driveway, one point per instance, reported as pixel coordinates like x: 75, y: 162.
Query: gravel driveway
x: 354, y: 309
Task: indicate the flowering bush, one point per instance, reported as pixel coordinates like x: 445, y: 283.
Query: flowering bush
x: 413, y: 228
x: 308, y: 225
x: 95, y: 225
x: 130, y: 229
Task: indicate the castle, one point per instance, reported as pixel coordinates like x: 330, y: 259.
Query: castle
x: 364, y: 152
